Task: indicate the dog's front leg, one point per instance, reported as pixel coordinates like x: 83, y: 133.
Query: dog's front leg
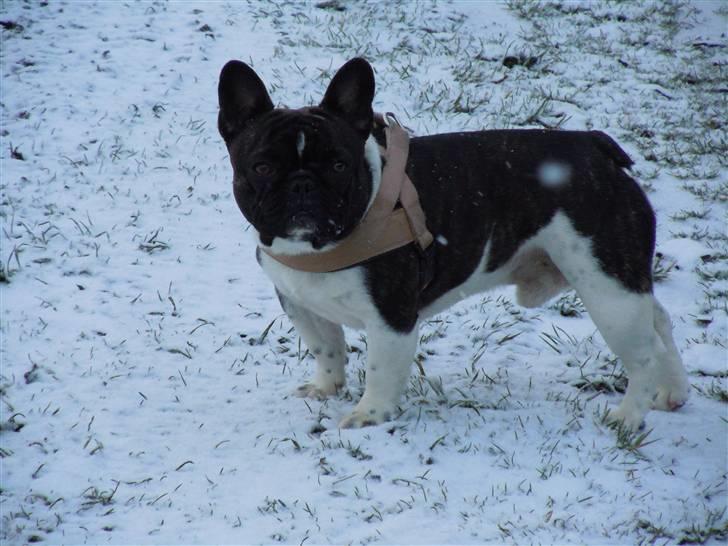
x: 389, y: 359
x: 325, y: 340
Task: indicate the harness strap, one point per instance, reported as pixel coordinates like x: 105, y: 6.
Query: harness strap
x: 396, y: 155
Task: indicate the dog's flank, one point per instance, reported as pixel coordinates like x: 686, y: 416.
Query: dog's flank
x: 543, y: 210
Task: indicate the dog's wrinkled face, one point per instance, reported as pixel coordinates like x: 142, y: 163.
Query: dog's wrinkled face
x: 300, y: 176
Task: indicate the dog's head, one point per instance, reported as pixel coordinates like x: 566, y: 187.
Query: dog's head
x: 303, y: 178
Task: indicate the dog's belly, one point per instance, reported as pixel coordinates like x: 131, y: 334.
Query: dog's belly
x: 479, y: 281
x: 339, y: 297
x: 531, y: 270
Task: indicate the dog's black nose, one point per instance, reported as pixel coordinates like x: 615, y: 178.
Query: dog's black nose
x: 302, y: 186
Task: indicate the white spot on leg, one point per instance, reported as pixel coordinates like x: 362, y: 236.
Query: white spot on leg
x: 553, y: 174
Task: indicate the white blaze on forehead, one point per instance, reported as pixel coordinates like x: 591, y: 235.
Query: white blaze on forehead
x: 554, y: 173
x: 300, y: 143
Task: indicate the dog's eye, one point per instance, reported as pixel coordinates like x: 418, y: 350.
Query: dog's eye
x: 263, y: 169
x: 339, y: 166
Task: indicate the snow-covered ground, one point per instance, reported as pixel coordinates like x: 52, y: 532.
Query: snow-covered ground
x: 147, y: 368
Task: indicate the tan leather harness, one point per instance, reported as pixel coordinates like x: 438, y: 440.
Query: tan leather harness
x: 384, y: 227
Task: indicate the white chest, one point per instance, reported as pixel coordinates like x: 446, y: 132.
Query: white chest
x: 340, y: 297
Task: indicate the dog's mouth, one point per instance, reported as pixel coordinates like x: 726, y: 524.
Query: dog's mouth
x: 311, y: 220
x: 307, y: 226
x: 304, y: 218
x: 302, y: 225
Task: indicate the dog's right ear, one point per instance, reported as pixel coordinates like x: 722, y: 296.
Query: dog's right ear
x: 242, y: 97
x: 350, y: 94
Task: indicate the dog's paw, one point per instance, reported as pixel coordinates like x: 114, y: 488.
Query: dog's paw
x: 365, y: 418
x: 672, y: 397
x: 625, y: 418
x: 317, y: 391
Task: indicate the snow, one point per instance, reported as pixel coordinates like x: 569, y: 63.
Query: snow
x: 148, y: 370
x: 553, y: 174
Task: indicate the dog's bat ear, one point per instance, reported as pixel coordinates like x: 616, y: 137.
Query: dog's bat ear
x: 242, y: 97
x: 350, y: 94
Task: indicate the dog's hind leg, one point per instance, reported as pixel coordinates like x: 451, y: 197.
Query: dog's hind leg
x: 627, y: 320
x: 673, y: 386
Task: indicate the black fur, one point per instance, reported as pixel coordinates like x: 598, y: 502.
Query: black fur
x: 482, y: 186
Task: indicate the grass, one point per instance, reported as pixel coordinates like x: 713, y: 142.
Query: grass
x: 715, y: 527
x: 496, y: 382
x: 569, y: 304
x: 662, y: 266
x: 151, y: 242
x: 95, y: 497
x: 716, y: 390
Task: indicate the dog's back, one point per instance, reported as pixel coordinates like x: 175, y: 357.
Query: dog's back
x: 506, y: 185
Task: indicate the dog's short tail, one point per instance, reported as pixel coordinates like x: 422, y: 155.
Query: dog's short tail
x: 611, y: 149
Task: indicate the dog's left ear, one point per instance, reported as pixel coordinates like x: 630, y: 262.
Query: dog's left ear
x: 242, y: 95
x: 350, y: 95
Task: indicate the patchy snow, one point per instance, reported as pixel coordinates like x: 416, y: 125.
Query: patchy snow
x: 148, y: 370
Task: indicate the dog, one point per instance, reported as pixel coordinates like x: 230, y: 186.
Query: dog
x: 540, y: 209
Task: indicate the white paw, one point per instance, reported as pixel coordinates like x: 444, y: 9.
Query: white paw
x: 627, y: 418
x: 319, y: 392
x: 365, y: 417
x: 671, y: 397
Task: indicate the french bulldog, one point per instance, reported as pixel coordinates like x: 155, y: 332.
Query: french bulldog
x: 543, y: 210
